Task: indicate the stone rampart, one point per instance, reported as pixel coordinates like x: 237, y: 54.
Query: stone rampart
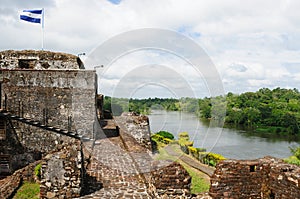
x: 31, y: 59
x: 59, y: 98
x: 263, y: 178
x: 137, y: 126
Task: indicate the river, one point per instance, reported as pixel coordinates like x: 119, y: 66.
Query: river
x: 231, y: 143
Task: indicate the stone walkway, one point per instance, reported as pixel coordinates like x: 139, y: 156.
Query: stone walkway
x: 113, y: 166
x: 119, y: 168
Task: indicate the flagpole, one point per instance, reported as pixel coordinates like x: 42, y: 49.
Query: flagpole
x: 43, y: 27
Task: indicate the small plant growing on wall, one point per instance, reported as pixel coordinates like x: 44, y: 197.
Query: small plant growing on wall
x: 37, y: 171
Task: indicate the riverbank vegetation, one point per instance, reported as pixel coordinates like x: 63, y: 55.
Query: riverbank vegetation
x: 274, y: 111
x: 295, y: 158
x: 162, y: 138
x: 200, y: 181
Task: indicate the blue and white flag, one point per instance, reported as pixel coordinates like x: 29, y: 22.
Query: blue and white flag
x: 33, y: 16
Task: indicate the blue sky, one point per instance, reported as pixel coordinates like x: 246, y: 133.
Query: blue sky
x: 252, y: 44
x: 115, y: 1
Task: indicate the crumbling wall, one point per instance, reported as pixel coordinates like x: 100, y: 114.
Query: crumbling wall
x: 237, y: 179
x: 171, y: 180
x: 265, y: 178
x: 61, y: 174
x: 282, y: 181
x: 59, y: 98
x: 137, y: 126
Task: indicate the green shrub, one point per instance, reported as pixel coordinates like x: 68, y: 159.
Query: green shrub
x: 193, y: 152
x: 201, y: 150
x: 158, y: 138
x: 184, y: 139
x: 293, y: 160
x: 216, y: 156
x: 211, y: 158
x: 184, y: 136
x: 167, y: 141
x: 166, y: 134
x: 296, y: 152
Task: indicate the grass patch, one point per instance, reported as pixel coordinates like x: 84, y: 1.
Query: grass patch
x: 293, y: 160
x: 28, y: 190
x: 200, y: 182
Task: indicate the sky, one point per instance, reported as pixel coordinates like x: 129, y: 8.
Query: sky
x: 251, y: 44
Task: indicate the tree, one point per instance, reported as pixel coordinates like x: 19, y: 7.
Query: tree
x: 252, y: 115
x: 205, y: 108
x: 218, y: 109
x: 289, y: 121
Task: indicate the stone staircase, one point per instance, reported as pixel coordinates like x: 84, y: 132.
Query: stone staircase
x: 45, y: 127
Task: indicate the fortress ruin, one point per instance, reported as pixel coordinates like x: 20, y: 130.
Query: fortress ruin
x: 51, y: 115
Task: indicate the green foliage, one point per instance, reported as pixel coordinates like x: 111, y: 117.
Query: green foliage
x: 160, y: 139
x: 193, y: 152
x: 184, y: 136
x: 278, y: 108
x: 269, y: 108
x: 166, y: 134
x: 28, y: 191
x: 144, y: 106
x: 211, y: 158
x: 293, y: 160
x: 198, y: 184
x: 37, y: 170
x: 296, y: 152
x: 184, y: 139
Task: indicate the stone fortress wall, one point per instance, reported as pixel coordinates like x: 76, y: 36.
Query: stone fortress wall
x: 63, y: 99
x: 51, y: 89
x: 266, y: 178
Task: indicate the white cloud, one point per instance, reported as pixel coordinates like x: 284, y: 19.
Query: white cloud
x: 253, y: 44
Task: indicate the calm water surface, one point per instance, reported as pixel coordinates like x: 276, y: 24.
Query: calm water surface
x: 231, y: 143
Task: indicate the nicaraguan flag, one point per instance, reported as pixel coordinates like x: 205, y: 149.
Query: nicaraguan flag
x: 33, y: 16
